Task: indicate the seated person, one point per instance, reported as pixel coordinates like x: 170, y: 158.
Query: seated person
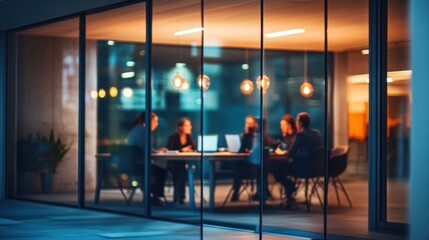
x: 136, y: 137
x: 249, y: 169
x: 306, y: 141
x: 281, y: 169
x: 180, y: 140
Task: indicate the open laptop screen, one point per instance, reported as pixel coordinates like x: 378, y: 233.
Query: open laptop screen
x: 209, y: 141
x: 233, y: 141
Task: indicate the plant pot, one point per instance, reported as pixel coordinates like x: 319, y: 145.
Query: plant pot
x: 46, y: 179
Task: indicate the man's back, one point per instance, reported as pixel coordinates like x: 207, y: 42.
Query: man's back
x: 305, y: 142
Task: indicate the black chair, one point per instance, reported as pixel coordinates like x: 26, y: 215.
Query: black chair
x: 309, y: 168
x: 337, y: 165
x: 126, y: 167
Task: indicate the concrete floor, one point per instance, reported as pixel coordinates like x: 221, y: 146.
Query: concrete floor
x: 27, y: 220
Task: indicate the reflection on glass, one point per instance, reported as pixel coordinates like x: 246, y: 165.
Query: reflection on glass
x: 398, y: 111
x: 294, y: 114
x: 231, y: 111
x: 46, y: 68
x: 176, y: 99
x: 115, y: 109
x: 348, y: 162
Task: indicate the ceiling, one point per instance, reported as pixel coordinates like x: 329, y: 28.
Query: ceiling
x: 238, y: 23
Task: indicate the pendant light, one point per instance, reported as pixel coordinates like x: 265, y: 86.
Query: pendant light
x: 203, y: 82
x: 306, y: 88
x: 263, y: 83
x: 178, y: 81
x: 246, y: 86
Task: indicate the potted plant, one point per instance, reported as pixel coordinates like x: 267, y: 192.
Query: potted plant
x: 27, y: 160
x: 52, y: 150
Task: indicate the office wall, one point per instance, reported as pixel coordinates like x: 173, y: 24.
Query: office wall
x: 419, y: 192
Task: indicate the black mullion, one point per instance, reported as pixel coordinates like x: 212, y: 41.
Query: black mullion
x: 81, y: 112
x: 148, y: 108
x: 326, y: 183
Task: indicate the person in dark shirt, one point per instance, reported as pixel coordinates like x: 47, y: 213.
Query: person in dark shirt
x: 136, y: 137
x: 306, y: 141
x: 287, y: 139
x: 180, y: 140
x: 249, y: 144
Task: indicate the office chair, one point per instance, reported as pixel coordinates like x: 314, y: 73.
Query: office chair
x: 337, y: 165
x: 309, y: 168
x: 126, y: 166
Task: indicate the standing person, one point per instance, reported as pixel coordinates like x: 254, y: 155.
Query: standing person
x: 180, y: 140
x: 136, y: 137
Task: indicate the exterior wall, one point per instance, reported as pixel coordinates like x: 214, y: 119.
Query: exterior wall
x: 419, y: 192
x: 19, y: 13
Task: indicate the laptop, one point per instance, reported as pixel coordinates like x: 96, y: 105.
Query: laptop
x: 233, y: 142
x: 209, y: 142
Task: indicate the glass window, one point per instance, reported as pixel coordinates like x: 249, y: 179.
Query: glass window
x: 115, y: 109
x: 176, y: 64
x: 398, y: 111
x: 348, y: 164
x: 232, y: 112
x: 44, y: 68
x: 294, y: 61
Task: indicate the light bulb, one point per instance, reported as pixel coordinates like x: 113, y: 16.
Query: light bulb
x: 127, y: 92
x: 264, y: 83
x: 203, y: 82
x: 178, y: 81
x: 306, y: 89
x: 246, y: 87
x: 185, y: 85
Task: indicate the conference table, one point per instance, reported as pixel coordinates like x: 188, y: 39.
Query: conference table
x: 193, y: 159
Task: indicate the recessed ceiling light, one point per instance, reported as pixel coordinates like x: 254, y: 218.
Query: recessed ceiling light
x: 188, y: 31
x: 284, y: 33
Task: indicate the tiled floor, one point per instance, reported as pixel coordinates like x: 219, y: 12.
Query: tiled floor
x: 26, y: 220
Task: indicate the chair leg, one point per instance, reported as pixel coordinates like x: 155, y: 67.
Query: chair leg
x: 345, y: 192
x: 315, y: 189
x: 130, y: 198
x: 227, y: 196
x: 307, y: 201
x: 334, y: 182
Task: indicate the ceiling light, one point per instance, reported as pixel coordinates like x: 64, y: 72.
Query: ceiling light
x: 94, y: 94
x: 389, y: 79
x: 127, y: 92
x: 284, y: 33
x: 127, y: 74
x: 131, y: 64
x: 245, y: 66
x: 101, y: 93
x: 110, y: 43
x: 188, y: 31
x: 113, y: 92
x: 180, y: 65
x: 365, y: 51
